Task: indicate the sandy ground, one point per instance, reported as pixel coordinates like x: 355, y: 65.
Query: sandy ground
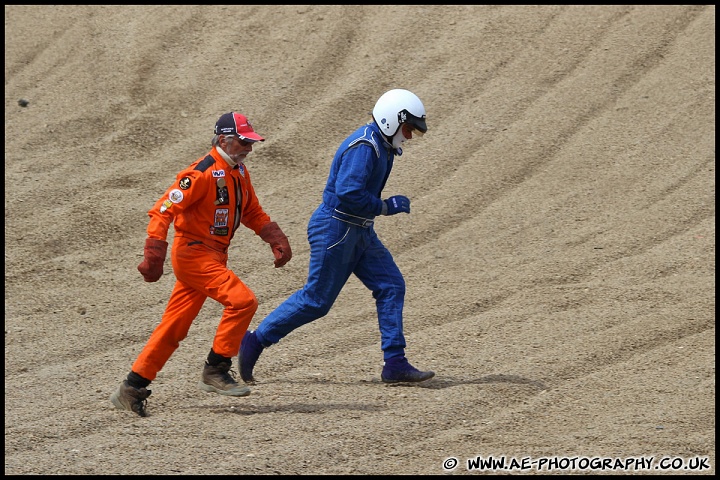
x: 559, y: 257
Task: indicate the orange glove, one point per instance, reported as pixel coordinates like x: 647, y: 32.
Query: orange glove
x: 152, y: 266
x: 272, y: 234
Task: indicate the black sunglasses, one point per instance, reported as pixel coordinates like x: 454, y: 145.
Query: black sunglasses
x: 243, y: 143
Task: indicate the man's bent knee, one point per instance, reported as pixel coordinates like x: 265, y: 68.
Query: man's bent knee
x: 246, y: 303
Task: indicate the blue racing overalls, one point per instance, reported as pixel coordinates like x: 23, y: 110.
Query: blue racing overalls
x: 343, y: 242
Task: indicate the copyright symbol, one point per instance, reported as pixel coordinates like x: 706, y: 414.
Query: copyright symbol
x: 450, y: 463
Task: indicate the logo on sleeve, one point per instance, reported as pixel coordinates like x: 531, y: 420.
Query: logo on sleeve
x: 165, y: 205
x: 176, y: 196
x: 185, y: 183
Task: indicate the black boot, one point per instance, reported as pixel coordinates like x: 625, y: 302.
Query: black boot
x: 398, y: 369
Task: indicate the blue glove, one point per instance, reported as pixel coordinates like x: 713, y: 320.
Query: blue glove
x: 396, y: 204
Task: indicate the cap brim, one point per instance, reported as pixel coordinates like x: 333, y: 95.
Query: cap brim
x: 251, y: 137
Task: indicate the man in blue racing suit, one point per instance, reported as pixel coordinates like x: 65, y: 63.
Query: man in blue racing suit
x: 343, y: 240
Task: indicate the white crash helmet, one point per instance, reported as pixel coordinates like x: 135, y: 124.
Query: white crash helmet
x: 399, y: 106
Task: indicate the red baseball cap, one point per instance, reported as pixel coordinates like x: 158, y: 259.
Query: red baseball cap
x: 234, y: 123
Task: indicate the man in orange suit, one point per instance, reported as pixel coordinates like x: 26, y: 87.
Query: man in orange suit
x: 206, y: 204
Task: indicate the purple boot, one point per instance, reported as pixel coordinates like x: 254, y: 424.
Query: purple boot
x: 250, y: 350
x: 398, y: 369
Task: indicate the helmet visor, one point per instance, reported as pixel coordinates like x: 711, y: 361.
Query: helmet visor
x: 417, y: 123
x: 409, y: 131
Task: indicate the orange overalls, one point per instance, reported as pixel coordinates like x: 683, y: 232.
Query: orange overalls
x: 207, y: 202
